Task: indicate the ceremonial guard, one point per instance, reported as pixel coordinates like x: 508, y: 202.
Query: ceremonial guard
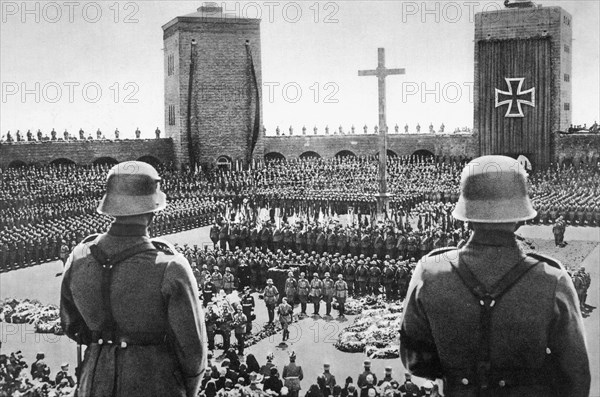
x: 303, y: 291
x: 387, y: 279
x: 133, y: 300
x: 362, y: 378
x: 239, y: 324
x: 469, y: 317
x: 214, y: 234
x: 217, y: 278
x: 316, y: 290
x: 362, y: 274
x: 247, y: 302
x: 349, y: 275
x: 225, y: 323
x: 271, y: 296
x: 211, y: 324
x: 292, y: 375
x: 341, y: 293
x: 285, y: 312
x: 408, y: 388
x: 374, y: 278
x: 291, y: 286
x: 559, y: 231
x: 228, y: 281
x: 209, y: 291
x: 328, y: 293
x: 63, y: 374
x: 64, y: 252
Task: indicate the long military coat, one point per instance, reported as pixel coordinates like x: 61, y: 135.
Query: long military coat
x: 152, y: 292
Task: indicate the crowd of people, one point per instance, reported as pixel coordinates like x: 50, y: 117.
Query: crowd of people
x: 46, y: 208
x: 234, y: 376
x: 39, y: 381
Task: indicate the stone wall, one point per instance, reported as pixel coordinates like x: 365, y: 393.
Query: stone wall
x: 453, y: 145
x: 86, y: 152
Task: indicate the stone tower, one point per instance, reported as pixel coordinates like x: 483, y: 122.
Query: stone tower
x: 522, y: 80
x: 213, y: 82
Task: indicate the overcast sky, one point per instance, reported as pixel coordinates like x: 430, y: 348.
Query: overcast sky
x: 56, y: 49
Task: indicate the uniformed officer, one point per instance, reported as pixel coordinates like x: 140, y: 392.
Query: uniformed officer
x: 132, y: 300
x: 239, y: 324
x: 341, y: 293
x: 209, y: 291
x: 285, y: 312
x: 292, y: 375
x: 228, y: 281
x: 316, y: 290
x: 217, y: 278
x: 303, y: 291
x: 469, y: 317
x: 247, y: 302
x: 328, y: 292
x: 291, y: 286
x: 271, y: 296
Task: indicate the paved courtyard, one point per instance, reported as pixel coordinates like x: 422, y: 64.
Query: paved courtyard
x: 312, y: 339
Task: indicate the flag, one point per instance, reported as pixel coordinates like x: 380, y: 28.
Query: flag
x: 514, y: 86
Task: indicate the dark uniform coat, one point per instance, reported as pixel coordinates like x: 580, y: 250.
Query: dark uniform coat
x: 152, y: 292
x: 535, y: 322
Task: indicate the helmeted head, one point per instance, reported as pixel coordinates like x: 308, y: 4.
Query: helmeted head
x: 493, y: 189
x: 326, y: 274
x: 132, y: 188
x: 290, y: 274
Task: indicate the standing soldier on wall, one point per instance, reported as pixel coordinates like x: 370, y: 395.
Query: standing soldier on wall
x: 469, y: 317
x: 133, y: 300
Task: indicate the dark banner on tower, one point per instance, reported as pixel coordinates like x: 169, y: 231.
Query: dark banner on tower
x: 515, y: 97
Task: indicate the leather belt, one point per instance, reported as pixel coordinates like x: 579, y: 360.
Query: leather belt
x: 135, y: 339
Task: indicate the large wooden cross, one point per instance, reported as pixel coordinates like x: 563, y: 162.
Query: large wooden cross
x: 381, y: 72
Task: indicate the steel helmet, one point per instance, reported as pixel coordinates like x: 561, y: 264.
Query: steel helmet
x: 493, y: 189
x: 132, y: 188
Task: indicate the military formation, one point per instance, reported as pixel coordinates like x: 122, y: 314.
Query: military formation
x: 44, y: 206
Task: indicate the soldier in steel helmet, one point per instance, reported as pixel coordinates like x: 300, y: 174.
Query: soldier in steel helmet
x: 133, y: 301
x: 487, y: 318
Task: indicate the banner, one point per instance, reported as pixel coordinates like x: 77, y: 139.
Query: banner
x: 514, y: 85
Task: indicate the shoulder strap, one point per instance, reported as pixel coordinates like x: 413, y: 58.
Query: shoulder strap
x: 498, y: 289
x: 108, y: 263
x: 487, y: 300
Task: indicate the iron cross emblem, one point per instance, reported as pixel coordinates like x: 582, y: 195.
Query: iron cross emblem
x: 515, y: 97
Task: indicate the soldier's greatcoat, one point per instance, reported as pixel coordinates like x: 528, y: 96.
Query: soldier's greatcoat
x: 151, y: 294
x: 537, y: 344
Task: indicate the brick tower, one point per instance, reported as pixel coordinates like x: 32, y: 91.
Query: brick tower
x: 522, y: 80
x: 213, y: 85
